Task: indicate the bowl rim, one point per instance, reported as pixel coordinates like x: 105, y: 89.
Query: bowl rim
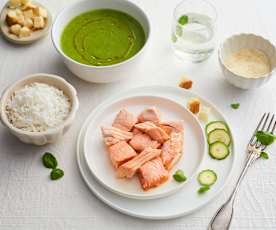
x: 33, y: 77
x: 234, y: 36
x: 59, y: 50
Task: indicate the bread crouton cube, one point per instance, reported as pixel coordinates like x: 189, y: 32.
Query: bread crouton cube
x: 28, y: 13
x: 21, y: 20
x: 19, y: 12
x: 39, y: 22
x: 194, y: 105
x: 24, y: 2
x: 14, y: 3
x: 40, y: 11
x: 11, y: 17
x: 15, y: 29
x: 29, y: 6
x: 186, y: 83
x: 29, y: 23
x: 25, y: 32
x: 204, y: 114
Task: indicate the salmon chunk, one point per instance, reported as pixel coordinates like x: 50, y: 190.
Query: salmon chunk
x: 113, y: 135
x: 121, y: 153
x: 171, y: 126
x: 124, y: 120
x: 129, y: 168
x: 150, y: 114
x: 145, y: 126
x: 155, y: 132
x: 172, y: 150
x: 140, y: 141
x: 152, y: 174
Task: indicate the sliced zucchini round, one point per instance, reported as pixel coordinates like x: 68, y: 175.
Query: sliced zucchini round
x: 219, y: 135
x: 207, y: 177
x: 216, y: 125
x: 218, y: 150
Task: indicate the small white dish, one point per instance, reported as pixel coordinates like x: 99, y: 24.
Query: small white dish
x: 100, y: 74
x: 48, y: 136
x: 35, y: 36
x: 237, y: 42
x: 96, y: 153
x: 179, y: 204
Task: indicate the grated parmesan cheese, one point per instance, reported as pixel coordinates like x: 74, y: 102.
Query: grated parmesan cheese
x: 37, y: 107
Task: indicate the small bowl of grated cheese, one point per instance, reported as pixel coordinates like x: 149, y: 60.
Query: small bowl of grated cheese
x: 247, y: 60
x: 39, y: 108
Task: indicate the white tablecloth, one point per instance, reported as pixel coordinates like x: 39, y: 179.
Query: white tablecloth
x: 29, y: 200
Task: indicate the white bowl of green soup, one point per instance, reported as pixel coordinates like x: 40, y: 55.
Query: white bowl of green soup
x: 101, y: 40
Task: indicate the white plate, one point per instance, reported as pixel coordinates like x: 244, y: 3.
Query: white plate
x: 179, y: 204
x: 98, y: 161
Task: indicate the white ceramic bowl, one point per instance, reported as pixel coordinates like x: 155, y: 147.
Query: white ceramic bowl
x: 100, y: 74
x: 237, y: 42
x: 51, y: 135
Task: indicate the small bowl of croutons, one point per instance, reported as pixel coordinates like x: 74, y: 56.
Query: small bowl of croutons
x: 24, y: 21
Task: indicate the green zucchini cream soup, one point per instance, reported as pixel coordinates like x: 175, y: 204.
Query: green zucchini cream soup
x: 102, y: 37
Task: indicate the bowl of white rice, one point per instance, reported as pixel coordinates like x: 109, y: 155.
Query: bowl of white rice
x: 39, y: 108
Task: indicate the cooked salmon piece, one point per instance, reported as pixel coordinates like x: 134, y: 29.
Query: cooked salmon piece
x: 144, y: 126
x: 110, y: 141
x: 140, y: 141
x: 155, y: 132
x: 129, y: 168
x: 169, y: 126
x: 152, y: 174
x: 116, y: 133
x: 136, y: 131
x: 150, y: 114
x: 120, y: 153
x: 172, y: 150
x: 158, y: 134
x: 124, y: 120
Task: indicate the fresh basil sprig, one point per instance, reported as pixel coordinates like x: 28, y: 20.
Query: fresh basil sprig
x: 49, y: 160
x: 56, y: 174
x: 265, y: 138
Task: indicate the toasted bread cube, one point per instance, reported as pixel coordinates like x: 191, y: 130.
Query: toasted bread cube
x: 25, y: 32
x: 28, y: 13
x: 29, y: 6
x: 14, y: 3
x: 15, y: 29
x: 186, y: 83
x: 24, y: 2
x: 29, y: 23
x: 11, y: 18
x: 39, y: 22
x: 19, y: 12
x: 40, y: 11
x: 21, y: 20
x: 204, y: 114
x: 194, y: 105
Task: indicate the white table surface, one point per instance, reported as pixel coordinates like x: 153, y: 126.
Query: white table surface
x: 29, y: 200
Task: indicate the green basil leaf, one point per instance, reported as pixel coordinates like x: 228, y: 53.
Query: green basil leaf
x: 235, y: 105
x: 56, y: 174
x: 264, y: 155
x: 265, y: 138
x: 183, y: 20
x: 203, y: 189
x: 49, y: 161
x: 179, y: 176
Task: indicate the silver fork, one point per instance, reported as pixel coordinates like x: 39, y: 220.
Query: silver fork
x: 223, y: 217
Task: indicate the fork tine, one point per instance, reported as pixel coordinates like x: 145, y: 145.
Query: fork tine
x: 258, y: 126
x: 272, y: 131
x: 270, y: 123
x: 266, y: 119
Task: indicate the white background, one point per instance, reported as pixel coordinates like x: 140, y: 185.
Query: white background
x: 29, y: 200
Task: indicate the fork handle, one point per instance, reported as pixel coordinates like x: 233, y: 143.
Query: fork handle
x: 223, y: 217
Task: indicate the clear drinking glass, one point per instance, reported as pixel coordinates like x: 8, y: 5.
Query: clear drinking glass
x: 193, y: 30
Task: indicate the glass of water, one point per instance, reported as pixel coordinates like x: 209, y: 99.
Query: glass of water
x: 193, y: 30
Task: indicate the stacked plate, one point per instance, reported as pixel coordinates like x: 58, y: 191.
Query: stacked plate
x: 127, y: 196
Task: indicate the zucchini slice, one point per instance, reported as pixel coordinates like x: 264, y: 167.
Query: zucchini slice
x: 216, y: 125
x: 218, y: 150
x: 207, y: 177
x: 219, y: 135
